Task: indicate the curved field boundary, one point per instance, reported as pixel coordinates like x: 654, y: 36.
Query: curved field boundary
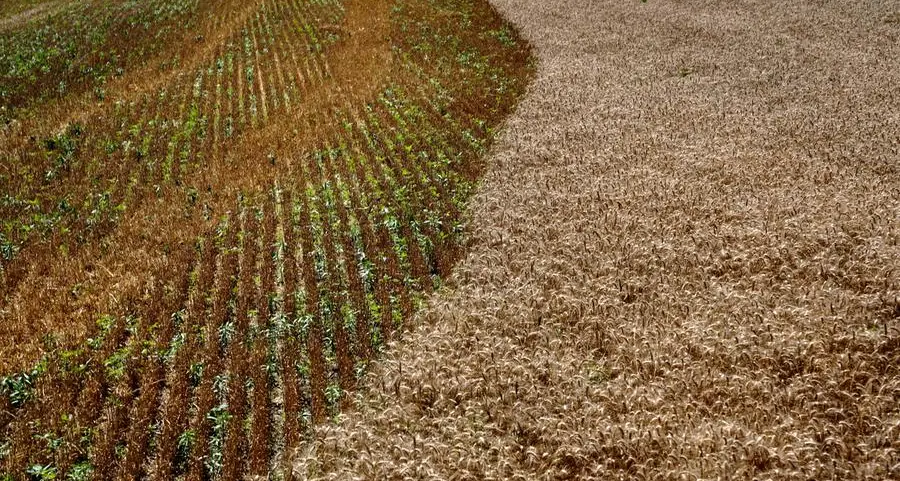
x: 684, y: 261
x: 221, y: 253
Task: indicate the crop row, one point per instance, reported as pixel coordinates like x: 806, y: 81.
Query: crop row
x: 303, y: 284
x: 222, y: 370
x: 83, y: 45
x: 80, y: 181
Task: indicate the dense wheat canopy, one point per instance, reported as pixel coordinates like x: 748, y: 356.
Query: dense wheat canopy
x: 684, y: 260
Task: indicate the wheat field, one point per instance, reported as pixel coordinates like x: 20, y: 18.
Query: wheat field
x: 684, y: 261
x: 449, y: 239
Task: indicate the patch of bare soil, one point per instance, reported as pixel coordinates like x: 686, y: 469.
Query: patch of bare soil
x: 685, y: 261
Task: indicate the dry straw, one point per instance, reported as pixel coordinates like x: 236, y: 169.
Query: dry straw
x: 684, y: 261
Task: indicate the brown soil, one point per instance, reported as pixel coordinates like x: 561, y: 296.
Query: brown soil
x: 684, y: 261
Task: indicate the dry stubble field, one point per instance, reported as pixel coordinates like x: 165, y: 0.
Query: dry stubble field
x: 684, y: 261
